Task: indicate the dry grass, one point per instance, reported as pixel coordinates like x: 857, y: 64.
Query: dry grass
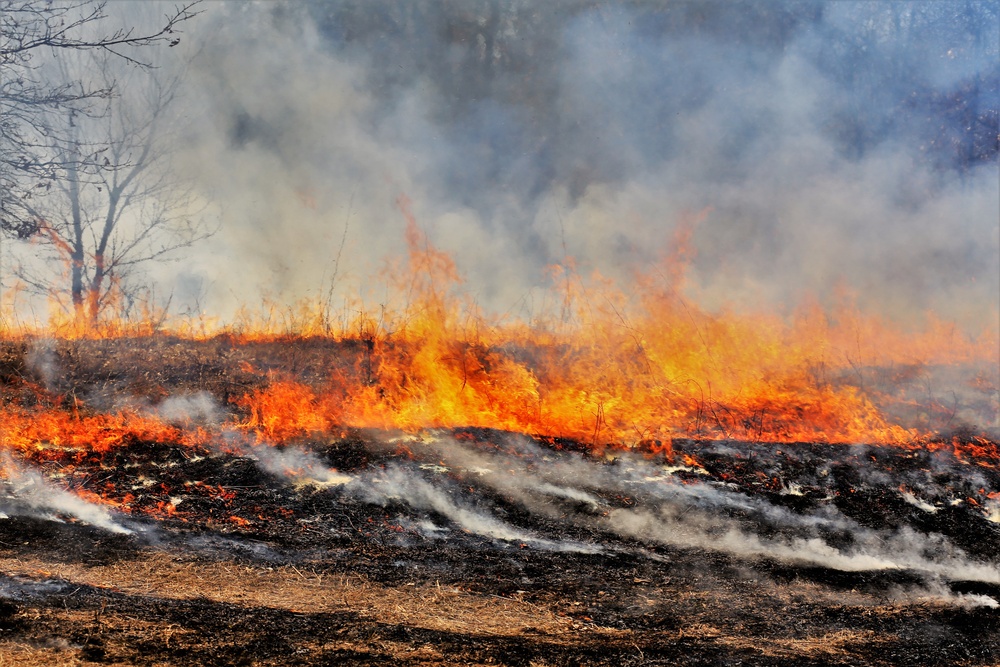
x: 291, y: 589
x: 433, y: 607
x: 57, y: 634
x: 59, y: 652
x: 829, y: 645
x: 14, y: 654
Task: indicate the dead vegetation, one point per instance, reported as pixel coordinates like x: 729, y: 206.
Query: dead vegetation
x: 164, y: 607
x: 232, y: 564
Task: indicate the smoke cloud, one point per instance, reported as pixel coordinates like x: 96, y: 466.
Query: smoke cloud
x: 834, y: 142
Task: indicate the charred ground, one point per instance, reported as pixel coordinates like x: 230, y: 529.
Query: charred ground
x: 231, y: 562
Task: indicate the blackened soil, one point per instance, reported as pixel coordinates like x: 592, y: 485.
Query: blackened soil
x: 424, y: 559
x: 572, y: 592
x: 683, y: 608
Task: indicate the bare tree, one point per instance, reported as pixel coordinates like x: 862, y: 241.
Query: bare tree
x: 97, y: 225
x: 83, y: 171
x: 31, y: 31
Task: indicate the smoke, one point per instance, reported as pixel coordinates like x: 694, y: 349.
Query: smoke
x: 41, y: 360
x: 904, y: 549
x: 578, y: 494
x: 29, y: 493
x: 935, y: 592
x: 830, y: 139
x: 20, y: 588
x: 410, y: 487
x: 394, y: 484
x: 198, y: 408
x: 298, y: 465
x: 836, y: 144
x: 292, y: 463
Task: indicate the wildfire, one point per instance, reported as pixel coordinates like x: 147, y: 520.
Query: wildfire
x: 49, y: 433
x: 623, y: 369
x: 611, y: 368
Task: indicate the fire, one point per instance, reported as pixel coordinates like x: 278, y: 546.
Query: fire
x: 625, y: 368
x: 283, y: 411
x: 609, y: 367
x: 46, y: 432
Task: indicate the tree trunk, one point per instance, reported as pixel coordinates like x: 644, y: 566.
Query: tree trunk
x: 94, y: 293
x: 77, y: 289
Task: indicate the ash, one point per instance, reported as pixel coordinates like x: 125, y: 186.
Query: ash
x: 474, y: 546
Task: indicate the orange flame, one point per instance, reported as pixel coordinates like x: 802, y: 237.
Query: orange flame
x: 612, y: 368
x: 628, y: 368
x: 44, y: 432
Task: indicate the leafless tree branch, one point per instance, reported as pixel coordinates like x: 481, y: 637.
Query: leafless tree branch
x: 32, y: 105
x: 115, y: 203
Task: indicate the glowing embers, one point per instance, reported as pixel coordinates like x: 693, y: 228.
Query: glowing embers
x: 52, y: 433
x: 976, y: 449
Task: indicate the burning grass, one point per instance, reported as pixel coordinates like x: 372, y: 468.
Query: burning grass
x: 631, y: 480
x: 604, y: 365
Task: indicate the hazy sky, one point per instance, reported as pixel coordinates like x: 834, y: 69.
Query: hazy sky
x: 834, y: 142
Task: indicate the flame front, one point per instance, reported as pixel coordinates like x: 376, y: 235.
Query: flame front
x: 622, y: 369
x: 607, y: 368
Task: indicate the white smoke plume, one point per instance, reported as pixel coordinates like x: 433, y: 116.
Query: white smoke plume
x: 404, y: 484
x: 288, y: 462
x: 295, y: 464
x: 692, y: 515
x: 29, y: 493
x: 41, y: 360
x: 303, y: 467
x: 198, y: 408
x: 904, y: 549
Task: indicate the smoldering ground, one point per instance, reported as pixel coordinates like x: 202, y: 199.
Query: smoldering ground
x: 760, y: 534
x: 26, y: 492
x: 785, y: 503
x: 575, y: 491
x: 503, y: 491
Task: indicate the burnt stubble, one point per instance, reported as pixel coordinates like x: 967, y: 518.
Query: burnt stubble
x: 481, y: 547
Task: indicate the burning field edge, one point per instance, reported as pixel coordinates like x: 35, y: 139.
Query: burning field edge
x: 184, y: 541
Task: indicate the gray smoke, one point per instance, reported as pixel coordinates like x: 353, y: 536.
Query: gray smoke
x: 834, y: 143
x: 828, y: 138
x: 27, y: 492
x: 42, y: 362
x: 685, y: 514
x: 403, y: 484
x: 198, y: 408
